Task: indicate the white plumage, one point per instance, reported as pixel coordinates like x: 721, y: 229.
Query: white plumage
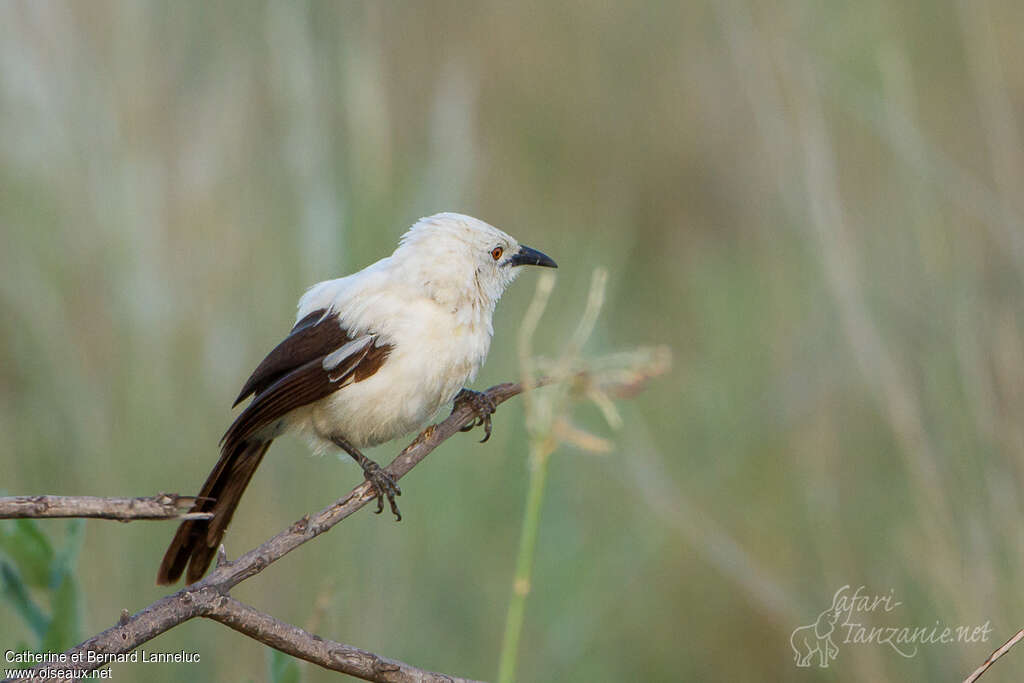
x: 432, y: 301
x: 372, y: 356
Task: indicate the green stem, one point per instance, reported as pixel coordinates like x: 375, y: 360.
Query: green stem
x: 524, y: 562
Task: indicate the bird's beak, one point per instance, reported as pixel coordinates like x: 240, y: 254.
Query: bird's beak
x: 531, y: 257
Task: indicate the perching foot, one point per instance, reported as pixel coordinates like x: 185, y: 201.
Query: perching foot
x: 483, y: 407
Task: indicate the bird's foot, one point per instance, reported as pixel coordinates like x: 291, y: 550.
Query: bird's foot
x: 382, y: 481
x: 483, y: 407
x: 384, y: 485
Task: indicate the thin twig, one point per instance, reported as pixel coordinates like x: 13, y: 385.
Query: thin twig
x: 160, y: 506
x: 1003, y: 649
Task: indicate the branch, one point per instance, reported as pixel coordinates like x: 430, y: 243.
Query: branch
x: 1003, y: 649
x: 295, y: 641
x: 198, y: 599
x: 160, y: 506
x: 209, y: 597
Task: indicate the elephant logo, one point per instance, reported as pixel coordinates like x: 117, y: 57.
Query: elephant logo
x: 816, y: 638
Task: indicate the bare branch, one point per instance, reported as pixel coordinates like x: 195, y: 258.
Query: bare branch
x: 160, y: 506
x: 208, y: 597
x: 196, y: 600
x: 207, y: 602
x: 299, y: 643
x: 1003, y: 649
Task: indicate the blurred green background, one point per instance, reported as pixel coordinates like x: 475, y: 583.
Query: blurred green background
x: 817, y: 206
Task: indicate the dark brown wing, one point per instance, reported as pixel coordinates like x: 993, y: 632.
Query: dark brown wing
x: 311, y: 336
x: 315, y: 360
x: 308, y: 365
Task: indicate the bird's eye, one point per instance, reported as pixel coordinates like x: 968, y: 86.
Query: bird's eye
x: 496, y: 253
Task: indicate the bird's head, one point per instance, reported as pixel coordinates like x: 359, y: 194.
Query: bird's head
x: 458, y: 257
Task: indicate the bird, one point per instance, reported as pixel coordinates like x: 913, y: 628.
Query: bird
x: 372, y: 356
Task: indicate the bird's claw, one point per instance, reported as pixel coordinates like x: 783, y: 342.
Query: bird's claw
x: 383, y: 485
x: 483, y: 407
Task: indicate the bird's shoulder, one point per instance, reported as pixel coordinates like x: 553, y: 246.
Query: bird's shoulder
x: 326, y: 295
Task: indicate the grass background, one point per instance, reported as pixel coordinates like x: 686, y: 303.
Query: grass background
x: 817, y: 206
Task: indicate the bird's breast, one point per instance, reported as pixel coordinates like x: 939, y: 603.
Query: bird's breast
x: 435, y: 352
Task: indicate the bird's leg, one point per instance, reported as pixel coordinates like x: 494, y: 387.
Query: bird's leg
x: 382, y: 481
x: 483, y: 407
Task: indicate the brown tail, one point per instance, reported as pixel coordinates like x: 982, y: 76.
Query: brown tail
x: 197, y: 539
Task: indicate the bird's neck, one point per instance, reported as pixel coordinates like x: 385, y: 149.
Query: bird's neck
x: 465, y: 301
x: 455, y: 290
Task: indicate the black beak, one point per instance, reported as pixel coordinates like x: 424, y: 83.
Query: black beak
x: 531, y: 257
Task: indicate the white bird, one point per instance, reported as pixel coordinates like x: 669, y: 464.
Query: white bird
x: 372, y: 356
